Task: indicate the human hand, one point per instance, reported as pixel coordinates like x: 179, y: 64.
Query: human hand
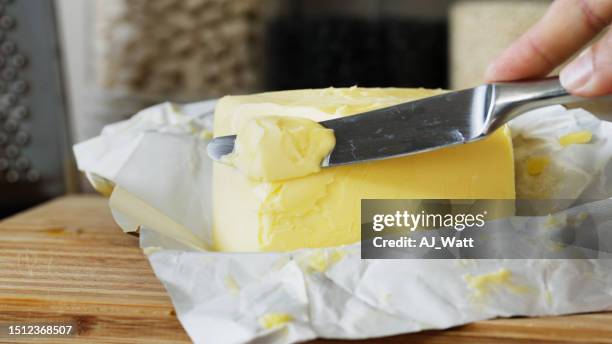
x: 567, y: 27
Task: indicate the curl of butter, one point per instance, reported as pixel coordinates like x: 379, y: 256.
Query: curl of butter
x: 274, y: 148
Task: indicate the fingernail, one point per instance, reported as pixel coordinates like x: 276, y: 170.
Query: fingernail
x: 490, y: 72
x: 578, y: 72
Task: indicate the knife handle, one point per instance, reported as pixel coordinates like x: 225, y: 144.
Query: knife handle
x: 510, y: 99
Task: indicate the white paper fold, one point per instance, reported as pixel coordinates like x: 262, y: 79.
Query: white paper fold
x: 157, y: 159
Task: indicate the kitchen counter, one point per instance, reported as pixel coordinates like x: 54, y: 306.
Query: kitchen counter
x: 66, y: 261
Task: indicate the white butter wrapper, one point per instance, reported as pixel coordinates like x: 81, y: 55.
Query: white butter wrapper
x: 158, y: 161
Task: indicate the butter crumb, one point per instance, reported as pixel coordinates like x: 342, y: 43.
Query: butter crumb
x: 232, y: 285
x: 537, y: 165
x: 483, y: 285
x: 578, y: 219
x: 553, y: 221
x: 578, y: 137
x: 272, y: 320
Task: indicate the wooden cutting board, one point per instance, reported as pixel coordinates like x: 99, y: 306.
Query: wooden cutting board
x: 67, y: 262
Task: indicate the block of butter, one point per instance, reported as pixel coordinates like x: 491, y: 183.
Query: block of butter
x: 322, y: 209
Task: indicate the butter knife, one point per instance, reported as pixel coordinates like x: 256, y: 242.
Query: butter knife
x: 426, y: 124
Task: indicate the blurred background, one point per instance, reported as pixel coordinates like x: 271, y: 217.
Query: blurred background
x: 68, y: 67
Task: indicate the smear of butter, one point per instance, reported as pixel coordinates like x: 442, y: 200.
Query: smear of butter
x: 465, y: 262
x: 206, y: 134
x: 578, y: 137
x: 273, y: 148
x: 556, y: 246
x: 385, y: 298
x: 578, y: 219
x: 483, y: 285
x: 548, y: 297
x: 151, y: 249
x: 321, y: 260
x: 231, y: 284
x: 102, y: 185
x: 536, y: 165
x: 272, y: 320
x: 556, y: 221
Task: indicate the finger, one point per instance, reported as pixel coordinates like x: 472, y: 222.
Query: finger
x: 566, y: 27
x: 590, y: 74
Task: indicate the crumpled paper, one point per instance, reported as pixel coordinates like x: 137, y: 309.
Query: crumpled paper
x: 158, y: 157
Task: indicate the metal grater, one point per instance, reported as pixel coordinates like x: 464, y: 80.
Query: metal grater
x: 33, y: 130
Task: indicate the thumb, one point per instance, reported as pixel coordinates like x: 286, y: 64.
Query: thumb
x: 590, y: 74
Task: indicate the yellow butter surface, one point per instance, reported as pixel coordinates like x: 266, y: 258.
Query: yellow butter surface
x: 323, y: 209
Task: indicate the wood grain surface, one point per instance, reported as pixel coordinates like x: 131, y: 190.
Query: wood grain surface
x: 67, y: 262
